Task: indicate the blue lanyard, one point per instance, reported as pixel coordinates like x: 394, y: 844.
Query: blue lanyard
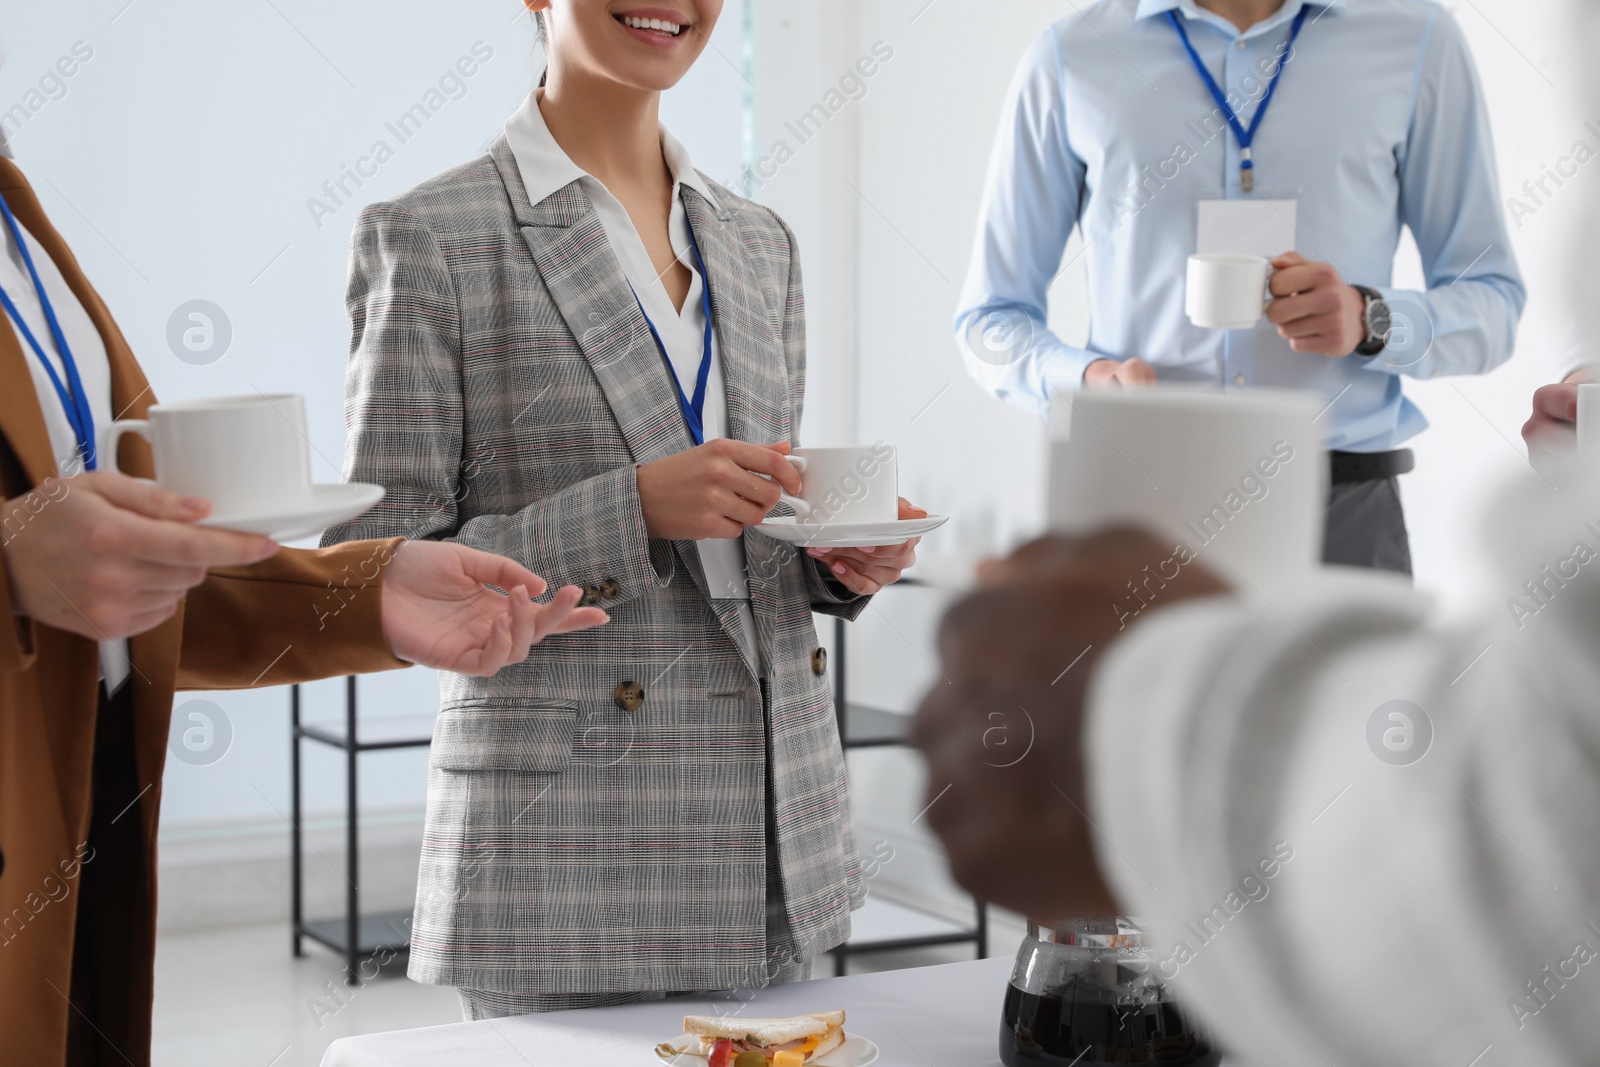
x: 693, y: 410
x: 1246, y: 137
x: 74, y: 401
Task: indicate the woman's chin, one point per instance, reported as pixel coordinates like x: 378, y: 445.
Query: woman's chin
x: 654, y: 74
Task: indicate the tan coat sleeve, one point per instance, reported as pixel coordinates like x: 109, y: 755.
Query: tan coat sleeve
x: 299, y: 616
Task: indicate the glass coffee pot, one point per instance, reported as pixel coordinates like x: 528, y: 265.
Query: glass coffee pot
x: 1086, y: 993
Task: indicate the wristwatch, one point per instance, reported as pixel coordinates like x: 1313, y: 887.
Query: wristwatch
x: 1378, y: 320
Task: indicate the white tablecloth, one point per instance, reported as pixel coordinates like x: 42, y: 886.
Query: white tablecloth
x: 921, y: 1017
x: 945, y: 1016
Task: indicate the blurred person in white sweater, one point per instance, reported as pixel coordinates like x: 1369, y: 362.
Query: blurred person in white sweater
x: 1358, y: 835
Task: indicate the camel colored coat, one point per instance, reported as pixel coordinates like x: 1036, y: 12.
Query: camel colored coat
x: 269, y: 624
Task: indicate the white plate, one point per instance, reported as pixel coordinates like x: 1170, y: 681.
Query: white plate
x: 849, y: 534
x: 330, y: 505
x: 857, y: 1051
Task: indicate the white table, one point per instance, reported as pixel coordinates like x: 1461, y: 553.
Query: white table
x: 946, y: 1016
x: 922, y: 1017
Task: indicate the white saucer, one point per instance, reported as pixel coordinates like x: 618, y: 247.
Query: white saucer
x: 330, y: 505
x: 849, y: 534
x: 857, y: 1051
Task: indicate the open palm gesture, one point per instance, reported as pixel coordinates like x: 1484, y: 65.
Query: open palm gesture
x: 438, y: 609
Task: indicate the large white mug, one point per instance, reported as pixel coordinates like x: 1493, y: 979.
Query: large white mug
x: 248, y: 455
x: 858, y: 484
x: 1236, y: 481
x: 1589, y: 421
x: 1226, y: 291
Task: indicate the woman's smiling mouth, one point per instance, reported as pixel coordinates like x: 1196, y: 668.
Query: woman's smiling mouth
x: 653, y: 24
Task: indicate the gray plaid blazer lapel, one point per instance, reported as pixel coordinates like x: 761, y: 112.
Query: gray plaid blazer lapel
x: 750, y: 342
x: 586, y: 283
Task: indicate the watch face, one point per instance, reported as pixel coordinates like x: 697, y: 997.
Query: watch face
x: 1379, y: 322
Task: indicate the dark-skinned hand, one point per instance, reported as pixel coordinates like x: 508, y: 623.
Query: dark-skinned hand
x: 1004, y: 731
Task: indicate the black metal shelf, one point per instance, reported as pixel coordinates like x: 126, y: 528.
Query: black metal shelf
x: 871, y: 727
x: 386, y: 931
x: 863, y: 726
x: 354, y: 936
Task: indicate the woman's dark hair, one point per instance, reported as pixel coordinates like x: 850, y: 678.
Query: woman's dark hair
x: 544, y: 45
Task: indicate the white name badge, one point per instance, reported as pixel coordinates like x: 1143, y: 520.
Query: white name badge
x: 1250, y: 227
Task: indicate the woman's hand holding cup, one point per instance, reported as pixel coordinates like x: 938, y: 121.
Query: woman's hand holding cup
x: 714, y: 490
x: 864, y: 571
x: 106, y: 556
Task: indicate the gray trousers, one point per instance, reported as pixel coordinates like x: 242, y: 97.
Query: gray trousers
x: 1366, y: 527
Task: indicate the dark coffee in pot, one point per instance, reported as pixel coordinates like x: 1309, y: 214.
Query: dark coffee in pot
x: 1083, y: 1027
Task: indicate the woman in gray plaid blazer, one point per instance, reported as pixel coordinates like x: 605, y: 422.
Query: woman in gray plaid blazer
x: 659, y: 805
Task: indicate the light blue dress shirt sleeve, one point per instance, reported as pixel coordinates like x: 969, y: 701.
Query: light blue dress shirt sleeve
x: 1030, y: 207
x: 1450, y: 198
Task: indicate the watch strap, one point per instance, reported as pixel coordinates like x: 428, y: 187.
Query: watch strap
x: 1371, y: 346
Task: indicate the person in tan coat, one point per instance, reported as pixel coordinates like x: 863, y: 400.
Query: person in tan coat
x: 114, y: 600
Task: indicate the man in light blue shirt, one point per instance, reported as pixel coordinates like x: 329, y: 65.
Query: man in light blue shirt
x: 1377, y: 122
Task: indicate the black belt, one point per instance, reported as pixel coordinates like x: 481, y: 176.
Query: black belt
x: 1350, y: 467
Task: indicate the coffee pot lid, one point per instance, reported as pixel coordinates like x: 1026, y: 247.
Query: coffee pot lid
x: 1118, y: 933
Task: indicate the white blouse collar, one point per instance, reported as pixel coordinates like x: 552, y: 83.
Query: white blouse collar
x: 546, y: 168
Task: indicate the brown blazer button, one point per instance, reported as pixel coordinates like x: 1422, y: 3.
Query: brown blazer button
x: 819, y: 661
x: 591, y: 596
x: 610, y: 589
x: 629, y: 696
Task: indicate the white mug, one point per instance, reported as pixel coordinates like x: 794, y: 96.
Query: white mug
x: 1589, y: 421
x: 248, y: 455
x: 859, y: 484
x: 1227, y: 291
x: 1237, y: 481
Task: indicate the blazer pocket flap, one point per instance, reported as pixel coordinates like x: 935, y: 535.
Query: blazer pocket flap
x: 504, y: 736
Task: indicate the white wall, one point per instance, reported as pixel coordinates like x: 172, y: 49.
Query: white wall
x: 799, y: 161
x: 1533, y: 73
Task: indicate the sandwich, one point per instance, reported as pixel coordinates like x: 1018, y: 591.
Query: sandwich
x: 735, y: 1041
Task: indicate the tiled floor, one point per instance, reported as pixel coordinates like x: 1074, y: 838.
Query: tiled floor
x: 236, y: 996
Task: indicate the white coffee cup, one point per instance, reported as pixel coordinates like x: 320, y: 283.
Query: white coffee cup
x: 1239, y: 480
x: 1227, y: 291
x: 248, y: 455
x: 857, y: 484
x: 1589, y: 421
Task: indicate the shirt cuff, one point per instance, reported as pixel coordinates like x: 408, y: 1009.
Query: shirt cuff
x: 1064, y: 369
